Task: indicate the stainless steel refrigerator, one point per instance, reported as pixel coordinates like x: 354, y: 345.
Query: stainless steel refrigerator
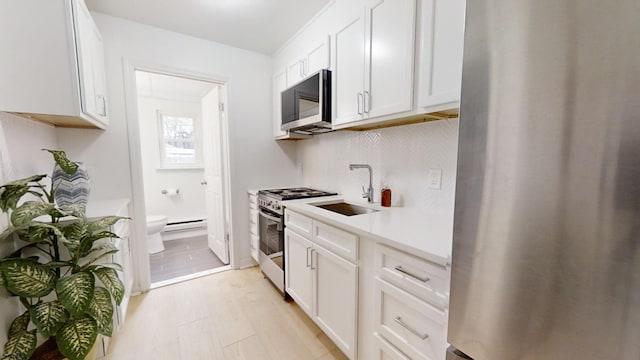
x: 546, y: 249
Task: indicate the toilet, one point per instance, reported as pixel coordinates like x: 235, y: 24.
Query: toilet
x: 155, y: 224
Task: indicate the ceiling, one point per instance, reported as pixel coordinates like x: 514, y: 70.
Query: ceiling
x: 257, y: 25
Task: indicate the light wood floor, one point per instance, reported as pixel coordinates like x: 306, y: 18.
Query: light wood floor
x: 232, y: 315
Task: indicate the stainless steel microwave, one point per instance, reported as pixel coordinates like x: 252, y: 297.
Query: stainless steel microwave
x: 306, y: 106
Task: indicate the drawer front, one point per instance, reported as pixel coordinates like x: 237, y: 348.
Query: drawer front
x: 385, y: 351
x: 413, y: 326
x: 253, y: 202
x: 253, y: 222
x: 340, y: 242
x: 254, y: 242
x: 298, y: 223
x: 422, y: 278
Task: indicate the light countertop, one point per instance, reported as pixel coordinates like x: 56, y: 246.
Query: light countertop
x: 425, y: 233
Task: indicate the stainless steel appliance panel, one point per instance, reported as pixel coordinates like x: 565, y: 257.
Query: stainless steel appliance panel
x: 546, y: 253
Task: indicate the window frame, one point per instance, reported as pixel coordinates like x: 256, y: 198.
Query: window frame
x: 197, y: 146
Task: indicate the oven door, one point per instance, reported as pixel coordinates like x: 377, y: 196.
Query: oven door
x: 272, y: 247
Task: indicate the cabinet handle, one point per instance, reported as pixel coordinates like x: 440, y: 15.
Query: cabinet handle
x: 421, y: 278
x: 305, y: 67
x: 398, y: 319
x: 308, y: 265
x: 312, y: 251
x: 367, y: 104
x: 360, y: 97
x: 103, y: 108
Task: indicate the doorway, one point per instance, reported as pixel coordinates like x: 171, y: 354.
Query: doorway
x: 183, y: 153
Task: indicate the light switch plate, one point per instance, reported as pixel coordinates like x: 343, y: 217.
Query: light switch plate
x: 434, y: 178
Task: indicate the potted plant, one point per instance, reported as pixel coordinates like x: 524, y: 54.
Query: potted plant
x: 58, y: 270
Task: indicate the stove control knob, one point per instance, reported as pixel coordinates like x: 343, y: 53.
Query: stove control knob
x: 278, y: 207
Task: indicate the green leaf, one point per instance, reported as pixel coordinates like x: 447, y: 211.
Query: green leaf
x: 77, y: 210
x: 21, y: 345
x: 103, y: 223
x: 10, y: 196
x: 3, y: 282
x: 99, y: 257
x: 28, y: 211
x: 13, y: 357
x: 61, y: 159
x: 101, y: 309
x: 48, y: 317
x: 111, y: 281
x: 27, y: 278
x: 76, y: 338
x: 24, y: 182
x: 75, y: 292
x: 19, y: 324
x: 108, y: 247
x: 8, y: 232
x: 38, y: 232
x: 114, y: 266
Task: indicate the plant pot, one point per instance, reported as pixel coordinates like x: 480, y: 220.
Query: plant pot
x: 71, y: 189
x: 49, y: 351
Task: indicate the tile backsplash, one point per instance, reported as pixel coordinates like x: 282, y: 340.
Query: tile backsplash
x: 401, y: 157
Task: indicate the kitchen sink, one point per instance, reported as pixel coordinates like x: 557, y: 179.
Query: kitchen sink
x: 345, y: 208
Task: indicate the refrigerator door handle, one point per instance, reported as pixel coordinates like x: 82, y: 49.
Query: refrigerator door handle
x: 417, y: 277
x: 398, y: 319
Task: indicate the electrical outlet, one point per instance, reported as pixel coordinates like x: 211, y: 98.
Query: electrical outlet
x: 434, y: 179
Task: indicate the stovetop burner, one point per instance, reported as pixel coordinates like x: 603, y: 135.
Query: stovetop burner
x: 295, y: 193
x: 271, y: 199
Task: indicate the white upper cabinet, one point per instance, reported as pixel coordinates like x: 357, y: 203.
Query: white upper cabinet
x: 310, y: 60
x: 442, y: 42
x: 348, y: 71
x: 374, y: 57
x: 52, y: 67
x: 279, y: 84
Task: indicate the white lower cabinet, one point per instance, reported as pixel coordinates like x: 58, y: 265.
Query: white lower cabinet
x: 372, y: 300
x: 335, y: 294
x: 413, y: 326
x: 298, y: 275
x: 254, y: 233
x: 324, y: 285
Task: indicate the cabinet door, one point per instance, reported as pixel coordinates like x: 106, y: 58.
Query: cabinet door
x: 348, y: 72
x: 335, y: 306
x: 279, y: 84
x: 390, y: 50
x: 318, y: 58
x: 91, y: 64
x: 442, y: 44
x: 298, y: 277
x: 295, y: 72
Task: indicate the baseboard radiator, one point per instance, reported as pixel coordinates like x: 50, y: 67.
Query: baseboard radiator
x: 180, y: 229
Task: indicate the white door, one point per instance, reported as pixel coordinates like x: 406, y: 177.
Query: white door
x: 298, y: 276
x: 318, y: 57
x: 348, y: 74
x: 335, y: 306
x: 279, y: 84
x: 213, y: 174
x: 390, y: 43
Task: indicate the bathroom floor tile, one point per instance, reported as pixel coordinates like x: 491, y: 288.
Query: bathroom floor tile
x: 183, y: 257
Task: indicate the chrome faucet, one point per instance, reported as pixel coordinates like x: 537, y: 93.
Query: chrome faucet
x: 368, y: 194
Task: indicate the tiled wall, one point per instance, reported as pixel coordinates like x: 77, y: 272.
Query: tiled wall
x: 400, y: 156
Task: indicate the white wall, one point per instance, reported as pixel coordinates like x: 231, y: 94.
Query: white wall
x: 400, y: 157
x: 256, y: 160
x: 22, y: 140
x: 189, y: 204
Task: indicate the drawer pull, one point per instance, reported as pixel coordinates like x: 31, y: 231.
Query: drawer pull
x: 402, y: 270
x: 398, y: 319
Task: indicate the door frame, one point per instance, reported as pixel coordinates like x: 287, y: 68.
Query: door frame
x: 141, y: 264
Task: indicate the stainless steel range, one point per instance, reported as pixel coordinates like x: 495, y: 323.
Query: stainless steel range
x: 270, y: 203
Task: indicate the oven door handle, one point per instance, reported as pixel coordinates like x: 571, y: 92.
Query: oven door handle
x: 269, y: 217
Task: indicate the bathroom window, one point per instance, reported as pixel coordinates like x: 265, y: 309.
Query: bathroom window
x: 179, y: 147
